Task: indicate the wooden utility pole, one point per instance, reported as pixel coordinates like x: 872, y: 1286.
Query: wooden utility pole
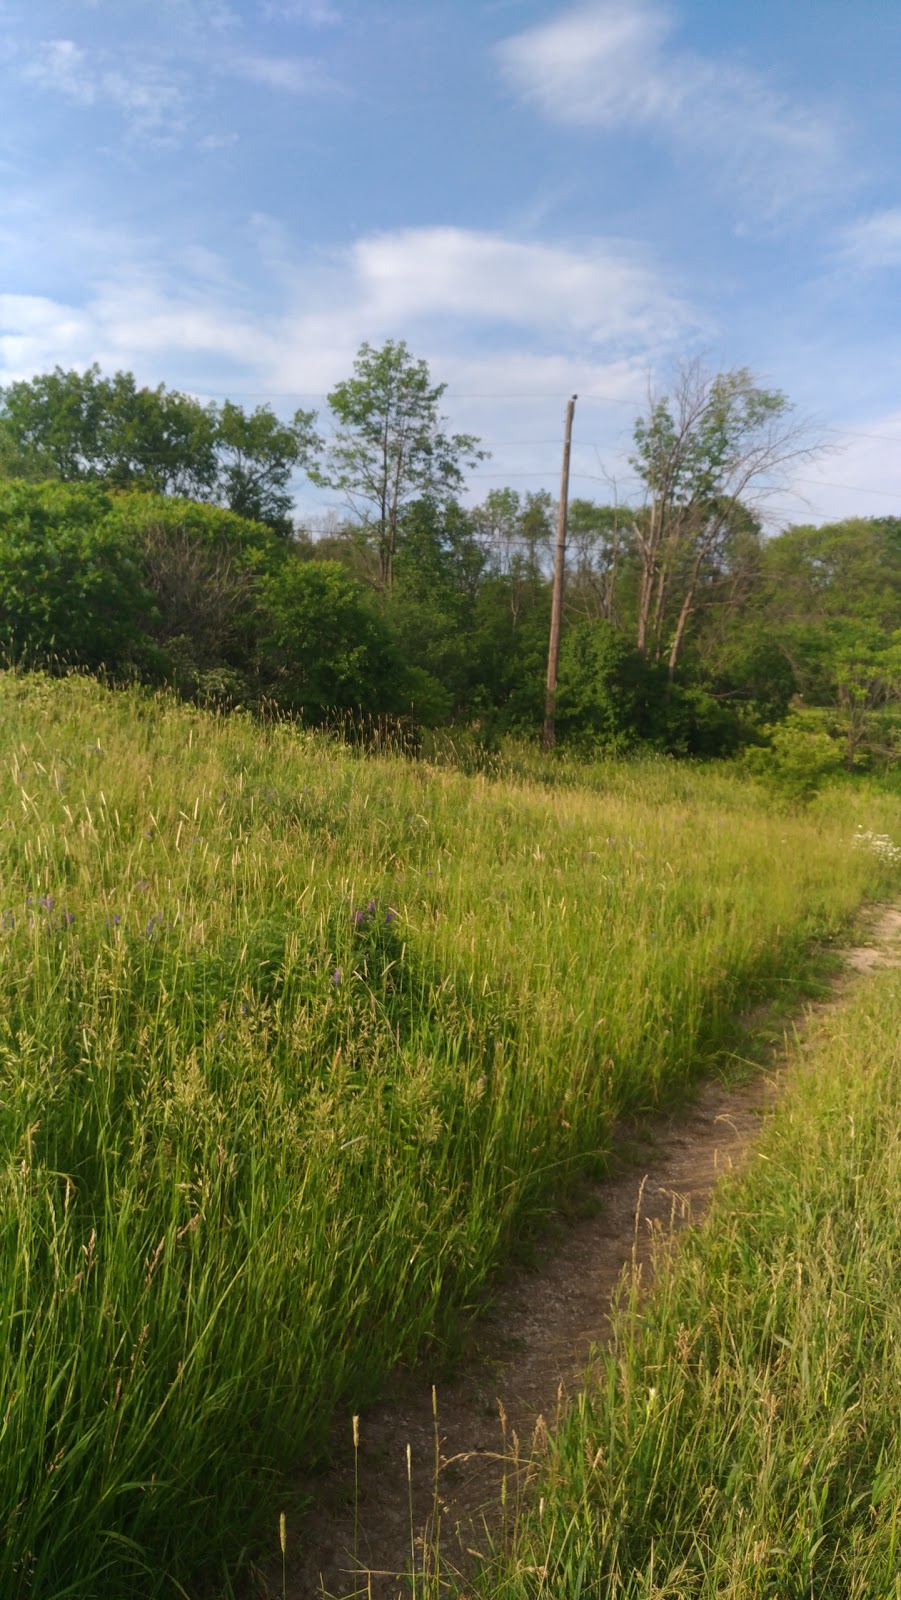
x: 553, y: 654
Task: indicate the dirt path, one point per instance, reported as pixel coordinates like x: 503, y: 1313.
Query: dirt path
x: 528, y: 1352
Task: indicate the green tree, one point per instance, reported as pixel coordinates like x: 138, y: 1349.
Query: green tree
x: 257, y: 455
x: 609, y: 696
x: 204, y: 566
x: 595, y: 544
x: 72, y: 588
x: 83, y: 427
x: 705, y: 456
x: 390, y: 448
x: 431, y: 608
x: 323, y: 648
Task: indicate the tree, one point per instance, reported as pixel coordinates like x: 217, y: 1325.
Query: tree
x: 72, y: 589
x: 708, y: 458
x: 257, y: 454
x: 323, y: 647
x: 389, y: 447
x: 594, y: 537
x: 517, y: 532
x: 82, y: 427
x: 205, y: 567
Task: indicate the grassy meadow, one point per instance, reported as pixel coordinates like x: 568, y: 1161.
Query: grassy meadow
x: 740, y: 1440
x: 293, y: 1044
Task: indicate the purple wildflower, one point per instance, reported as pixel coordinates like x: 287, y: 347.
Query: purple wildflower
x: 46, y: 902
x: 390, y: 916
x: 337, y: 975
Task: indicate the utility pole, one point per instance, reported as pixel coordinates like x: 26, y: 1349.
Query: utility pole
x: 553, y: 654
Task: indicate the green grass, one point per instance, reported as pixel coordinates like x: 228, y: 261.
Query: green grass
x: 293, y: 1046
x: 741, y: 1438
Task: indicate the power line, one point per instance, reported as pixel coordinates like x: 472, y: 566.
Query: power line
x: 855, y: 488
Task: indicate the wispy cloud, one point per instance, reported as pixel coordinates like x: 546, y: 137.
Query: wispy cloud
x: 291, y: 74
x: 217, y: 141
x: 316, y: 13
x: 874, y: 241
x: 447, y: 289
x: 512, y: 326
x: 61, y: 66
x: 614, y: 64
x: 601, y: 292
x: 149, y: 96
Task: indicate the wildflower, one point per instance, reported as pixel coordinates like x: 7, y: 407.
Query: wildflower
x: 371, y: 908
x: 113, y: 921
x: 359, y: 918
x: 337, y: 975
x: 390, y: 916
x: 46, y: 902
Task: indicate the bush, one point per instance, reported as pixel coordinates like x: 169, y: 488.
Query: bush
x: 72, y: 588
x: 606, y: 689
x: 324, y: 649
x: 799, y: 758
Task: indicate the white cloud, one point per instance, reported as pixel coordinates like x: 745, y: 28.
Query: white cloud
x: 136, y: 322
x: 60, y: 66
x: 151, y: 100
x: 317, y: 13
x: 217, y: 141
x: 874, y: 241
x: 601, y: 292
x: 293, y: 74
x: 522, y: 324
x: 612, y: 64
x: 589, y: 320
x: 862, y: 478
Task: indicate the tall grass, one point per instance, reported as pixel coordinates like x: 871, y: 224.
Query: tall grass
x: 292, y: 1043
x: 741, y: 1439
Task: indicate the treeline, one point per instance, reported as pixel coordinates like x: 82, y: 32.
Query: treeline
x: 149, y: 536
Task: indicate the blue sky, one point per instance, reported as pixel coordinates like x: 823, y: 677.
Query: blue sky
x: 228, y: 196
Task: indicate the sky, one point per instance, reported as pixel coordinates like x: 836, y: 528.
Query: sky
x: 229, y: 196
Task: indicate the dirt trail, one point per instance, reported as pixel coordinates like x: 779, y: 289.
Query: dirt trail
x: 530, y: 1350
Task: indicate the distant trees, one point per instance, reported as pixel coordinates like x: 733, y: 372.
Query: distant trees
x: 151, y: 535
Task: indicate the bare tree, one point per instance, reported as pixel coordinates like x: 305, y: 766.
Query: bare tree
x: 708, y: 456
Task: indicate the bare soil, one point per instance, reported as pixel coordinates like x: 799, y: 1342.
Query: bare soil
x: 527, y: 1353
